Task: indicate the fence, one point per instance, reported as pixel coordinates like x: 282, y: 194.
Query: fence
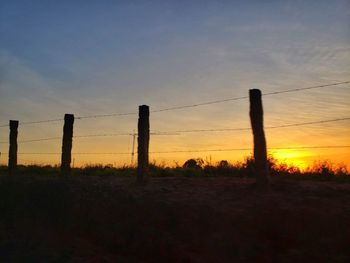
x: 256, y: 116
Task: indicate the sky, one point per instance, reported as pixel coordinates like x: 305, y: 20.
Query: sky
x: 103, y: 57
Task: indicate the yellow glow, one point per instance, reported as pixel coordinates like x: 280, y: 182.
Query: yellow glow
x: 293, y: 157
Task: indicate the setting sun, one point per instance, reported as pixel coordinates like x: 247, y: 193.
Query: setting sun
x: 293, y: 157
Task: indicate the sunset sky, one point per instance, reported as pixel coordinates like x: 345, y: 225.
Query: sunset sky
x: 104, y: 57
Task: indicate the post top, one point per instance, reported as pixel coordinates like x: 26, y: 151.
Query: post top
x: 144, y: 108
x: 68, y: 116
x: 14, y: 123
x: 255, y: 91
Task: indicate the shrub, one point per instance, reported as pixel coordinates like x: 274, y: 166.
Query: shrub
x: 193, y: 163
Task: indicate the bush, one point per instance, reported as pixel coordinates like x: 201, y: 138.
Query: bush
x: 193, y: 164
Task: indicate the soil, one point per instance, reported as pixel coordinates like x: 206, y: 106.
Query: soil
x: 172, y: 219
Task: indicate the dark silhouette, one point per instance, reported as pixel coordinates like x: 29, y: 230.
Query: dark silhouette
x: 12, y: 164
x: 179, y: 219
x: 260, y: 153
x: 224, y: 164
x: 143, y: 143
x: 192, y: 164
x: 67, y: 144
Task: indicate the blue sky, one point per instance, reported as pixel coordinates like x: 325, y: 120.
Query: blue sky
x: 96, y: 57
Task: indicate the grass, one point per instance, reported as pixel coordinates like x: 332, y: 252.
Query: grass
x: 324, y: 170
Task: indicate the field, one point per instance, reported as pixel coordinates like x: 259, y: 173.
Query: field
x: 46, y: 218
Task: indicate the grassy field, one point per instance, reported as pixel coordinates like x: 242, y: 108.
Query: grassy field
x: 207, y: 217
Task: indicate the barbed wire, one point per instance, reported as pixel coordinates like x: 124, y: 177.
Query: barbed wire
x: 102, y: 135
x: 177, y: 132
x: 306, y: 88
x: 123, y: 134
x: 267, y: 127
x: 199, y: 104
x: 308, y: 123
x: 94, y: 135
x: 73, y: 153
x: 35, y: 140
x: 105, y: 115
x: 246, y: 97
x: 184, y: 106
x: 196, y: 151
x: 251, y: 149
x: 33, y: 122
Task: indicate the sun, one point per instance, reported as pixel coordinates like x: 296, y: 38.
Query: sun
x: 293, y: 157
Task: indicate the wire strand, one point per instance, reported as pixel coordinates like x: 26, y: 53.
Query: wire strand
x: 103, y: 135
x: 94, y: 135
x: 42, y: 139
x: 246, y: 97
x: 250, y: 149
x: 306, y: 88
x: 199, y: 104
x: 178, y: 132
x: 184, y: 106
x: 105, y: 115
x: 268, y: 127
x: 33, y: 122
x: 202, y: 150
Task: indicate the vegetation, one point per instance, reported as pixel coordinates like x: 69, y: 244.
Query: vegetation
x: 197, y: 212
x: 322, y: 170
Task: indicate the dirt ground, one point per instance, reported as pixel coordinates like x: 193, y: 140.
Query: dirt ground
x: 170, y: 219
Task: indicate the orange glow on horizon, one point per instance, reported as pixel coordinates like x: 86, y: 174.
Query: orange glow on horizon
x: 300, y: 159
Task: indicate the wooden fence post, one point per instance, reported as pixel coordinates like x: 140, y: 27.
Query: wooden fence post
x: 12, y: 162
x: 67, y: 144
x: 143, y: 143
x: 260, y: 152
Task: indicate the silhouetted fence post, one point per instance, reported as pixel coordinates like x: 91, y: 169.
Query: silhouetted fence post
x: 143, y: 143
x: 260, y: 152
x: 67, y: 144
x: 12, y: 164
